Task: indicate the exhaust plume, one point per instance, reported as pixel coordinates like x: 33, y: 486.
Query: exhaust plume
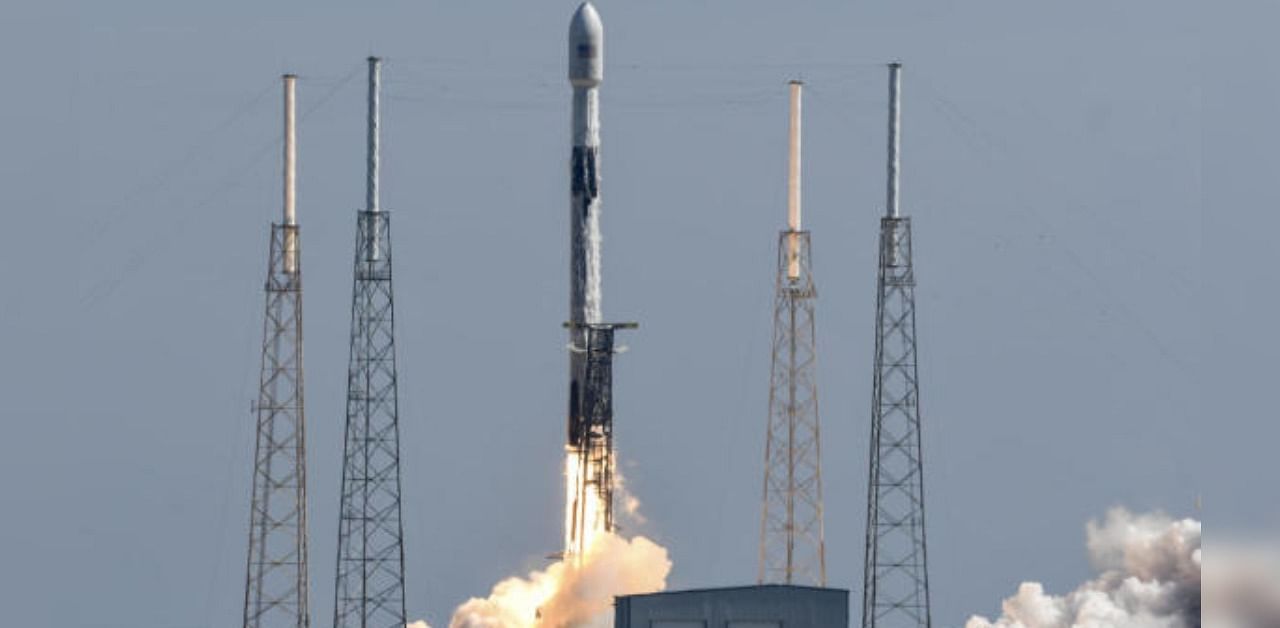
x: 1149, y: 577
x: 576, y: 591
x: 573, y: 593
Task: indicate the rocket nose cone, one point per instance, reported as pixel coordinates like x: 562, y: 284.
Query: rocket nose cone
x: 586, y: 47
x: 585, y: 26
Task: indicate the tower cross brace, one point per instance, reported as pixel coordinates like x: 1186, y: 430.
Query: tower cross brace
x: 276, y: 584
x: 370, y: 588
x: 895, y: 590
x: 792, y: 548
x: 276, y: 576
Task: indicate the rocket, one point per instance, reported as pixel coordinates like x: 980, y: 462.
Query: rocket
x: 589, y: 469
x: 586, y: 71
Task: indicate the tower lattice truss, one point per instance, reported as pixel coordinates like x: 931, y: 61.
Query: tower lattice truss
x: 597, y: 406
x: 370, y: 574
x: 276, y: 580
x: 896, y: 582
x: 592, y: 503
x: 791, y: 535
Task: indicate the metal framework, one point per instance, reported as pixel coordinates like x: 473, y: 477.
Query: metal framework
x: 792, y: 549
x: 276, y: 581
x: 896, y: 580
x: 276, y: 589
x: 369, y: 591
x: 896, y: 585
x: 370, y: 572
x: 591, y: 437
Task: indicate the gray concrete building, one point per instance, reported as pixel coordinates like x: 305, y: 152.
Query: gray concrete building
x: 763, y: 606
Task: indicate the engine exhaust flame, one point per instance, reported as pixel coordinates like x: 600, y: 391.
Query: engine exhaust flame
x: 580, y: 487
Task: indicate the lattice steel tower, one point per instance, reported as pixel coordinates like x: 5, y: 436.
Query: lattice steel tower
x: 791, y: 537
x: 370, y: 574
x: 275, y: 593
x: 896, y: 578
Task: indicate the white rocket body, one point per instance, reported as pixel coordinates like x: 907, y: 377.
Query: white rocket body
x: 586, y: 71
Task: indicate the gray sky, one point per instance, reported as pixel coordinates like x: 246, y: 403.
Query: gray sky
x: 1095, y: 306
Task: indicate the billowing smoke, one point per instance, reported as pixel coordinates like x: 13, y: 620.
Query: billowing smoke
x: 630, y: 503
x: 1149, y: 577
x: 570, y: 593
x: 577, y: 591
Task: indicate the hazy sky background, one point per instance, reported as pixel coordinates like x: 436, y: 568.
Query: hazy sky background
x: 1092, y: 188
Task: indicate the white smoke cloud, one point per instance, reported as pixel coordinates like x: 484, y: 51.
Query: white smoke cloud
x: 571, y: 595
x: 568, y: 594
x: 577, y: 591
x: 630, y: 503
x: 1149, y: 577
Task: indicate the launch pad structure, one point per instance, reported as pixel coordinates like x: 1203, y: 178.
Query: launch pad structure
x: 276, y: 584
x: 370, y: 582
x: 896, y: 578
x: 370, y: 590
x: 792, y: 548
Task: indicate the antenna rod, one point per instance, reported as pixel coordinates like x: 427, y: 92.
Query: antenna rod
x: 372, y: 249
x: 793, y: 174
x: 375, y: 122
x: 290, y: 151
x: 290, y: 176
x: 895, y: 137
x: 793, y: 183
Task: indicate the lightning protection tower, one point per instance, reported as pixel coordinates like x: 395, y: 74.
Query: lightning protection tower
x: 896, y: 579
x: 370, y: 573
x: 791, y: 537
x: 275, y: 593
